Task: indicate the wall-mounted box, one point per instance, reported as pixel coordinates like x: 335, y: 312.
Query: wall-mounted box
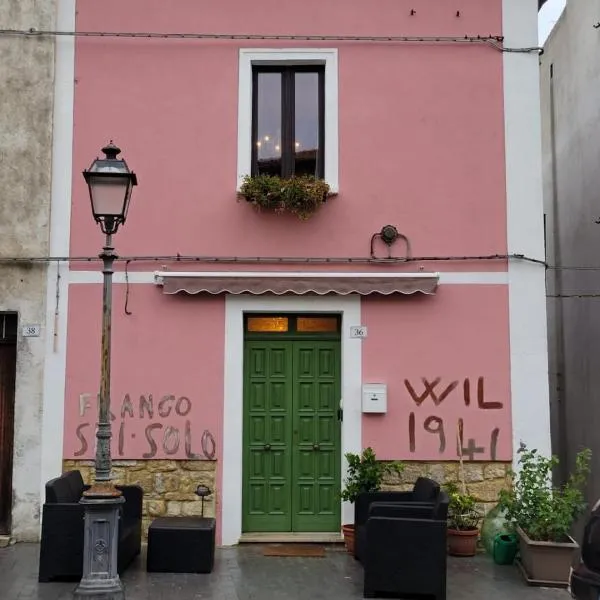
x: 374, y: 398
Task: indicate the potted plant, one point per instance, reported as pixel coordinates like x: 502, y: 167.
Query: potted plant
x: 543, y: 515
x: 463, y: 521
x: 301, y: 196
x: 365, y: 474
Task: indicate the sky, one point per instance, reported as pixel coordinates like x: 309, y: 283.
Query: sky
x: 548, y: 17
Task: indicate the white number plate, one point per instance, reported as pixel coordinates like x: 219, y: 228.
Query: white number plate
x: 358, y: 331
x: 31, y: 330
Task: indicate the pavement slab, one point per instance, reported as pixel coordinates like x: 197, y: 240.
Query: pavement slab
x: 243, y: 573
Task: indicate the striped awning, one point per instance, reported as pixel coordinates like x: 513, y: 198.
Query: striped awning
x: 280, y: 283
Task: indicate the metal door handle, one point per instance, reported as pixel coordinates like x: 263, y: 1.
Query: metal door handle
x: 316, y: 447
x: 267, y: 446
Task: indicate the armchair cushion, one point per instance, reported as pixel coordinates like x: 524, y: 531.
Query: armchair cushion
x: 63, y: 489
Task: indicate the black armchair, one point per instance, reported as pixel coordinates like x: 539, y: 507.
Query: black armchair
x: 425, y: 492
x: 61, y: 548
x: 403, y: 554
x: 585, y: 577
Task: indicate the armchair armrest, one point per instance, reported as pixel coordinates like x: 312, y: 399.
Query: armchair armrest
x: 364, y: 500
x: 62, y: 520
x: 133, y: 495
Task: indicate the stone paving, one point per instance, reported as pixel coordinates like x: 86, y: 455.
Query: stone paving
x: 243, y: 573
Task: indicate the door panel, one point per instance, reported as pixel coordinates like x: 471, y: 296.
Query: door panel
x: 315, y: 456
x: 267, y: 434
x: 291, y: 436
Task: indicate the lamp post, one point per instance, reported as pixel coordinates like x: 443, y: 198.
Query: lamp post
x: 110, y: 183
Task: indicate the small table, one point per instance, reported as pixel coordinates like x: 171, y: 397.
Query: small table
x: 181, y: 545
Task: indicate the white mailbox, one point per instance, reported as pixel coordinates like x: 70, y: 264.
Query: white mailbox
x: 374, y: 398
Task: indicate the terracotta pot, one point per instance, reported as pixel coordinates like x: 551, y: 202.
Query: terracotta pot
x: 349, y: 537
x: 546, y: 563
x: 462, y: 543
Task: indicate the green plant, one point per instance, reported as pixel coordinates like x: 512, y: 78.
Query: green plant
x: 545, y: 512
x: 462, y: 509
x: 365, y: 473
x: 301, y: 195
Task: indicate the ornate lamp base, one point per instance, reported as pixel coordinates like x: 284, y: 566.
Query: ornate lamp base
x: 100, y: 579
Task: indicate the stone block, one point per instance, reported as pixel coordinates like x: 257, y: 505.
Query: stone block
x: 179, y: 496
x: 166, y: 483
x: 199, y: 465
x: 412, y: 472
x: 437, y: 473
x: 155, y: 508
x: 162, y: 466
x: 194, y: 509
x: 472, y: 472
x: 495, y: 470
x: 129, y: 464
x: 487, y: 491
x: 450, y: 471
x: 173, y: 508
x: 146, y: 480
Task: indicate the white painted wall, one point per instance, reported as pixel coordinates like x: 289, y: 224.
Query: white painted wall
x: 525, y: 230
x: 58, y: 274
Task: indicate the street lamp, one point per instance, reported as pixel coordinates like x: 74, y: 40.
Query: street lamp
x: 110, y: 183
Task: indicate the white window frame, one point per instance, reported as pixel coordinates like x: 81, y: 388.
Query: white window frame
x: 288, y: 56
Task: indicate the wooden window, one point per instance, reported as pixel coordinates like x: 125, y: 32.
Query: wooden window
x: 317, y: 324
x: 8, y: 327
x: 288, y: 120
x: 267, y: 324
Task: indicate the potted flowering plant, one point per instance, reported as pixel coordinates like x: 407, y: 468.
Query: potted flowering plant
x: 365, y: 474
x: 463, y: 521
x: 543, y: 515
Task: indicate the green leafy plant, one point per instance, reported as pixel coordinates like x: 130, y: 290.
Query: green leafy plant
x: 462, y: 509
x: 366, y: 473
x: 545, y: 512
x: 301, y: 196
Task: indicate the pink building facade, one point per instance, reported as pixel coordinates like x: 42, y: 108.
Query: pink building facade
x: 274, y: 345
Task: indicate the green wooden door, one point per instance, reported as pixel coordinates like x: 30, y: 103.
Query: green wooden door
x: 291, y: 436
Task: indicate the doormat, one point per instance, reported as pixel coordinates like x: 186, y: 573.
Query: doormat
x: 308, y: 550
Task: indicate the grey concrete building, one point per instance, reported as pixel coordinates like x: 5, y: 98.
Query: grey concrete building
x: 27, y: 66
x: 570, y: 92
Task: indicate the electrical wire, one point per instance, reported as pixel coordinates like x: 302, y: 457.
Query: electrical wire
x: 493, y: 41
x: 273, y: 259
x: 572, y: 295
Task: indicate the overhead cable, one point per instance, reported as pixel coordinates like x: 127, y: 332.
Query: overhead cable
x: 494, y: 41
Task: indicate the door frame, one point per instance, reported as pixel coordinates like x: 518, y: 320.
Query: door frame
x: 231, y: 475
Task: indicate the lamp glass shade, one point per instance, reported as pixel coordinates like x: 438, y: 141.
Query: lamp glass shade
x: 110, y: 195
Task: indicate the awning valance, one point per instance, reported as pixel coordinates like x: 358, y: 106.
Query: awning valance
x: 298, y: 283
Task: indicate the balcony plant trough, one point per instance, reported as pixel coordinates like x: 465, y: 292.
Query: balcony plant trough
x: 299, y: 195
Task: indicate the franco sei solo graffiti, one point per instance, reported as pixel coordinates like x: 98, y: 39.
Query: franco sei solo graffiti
x: 164, y: 424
